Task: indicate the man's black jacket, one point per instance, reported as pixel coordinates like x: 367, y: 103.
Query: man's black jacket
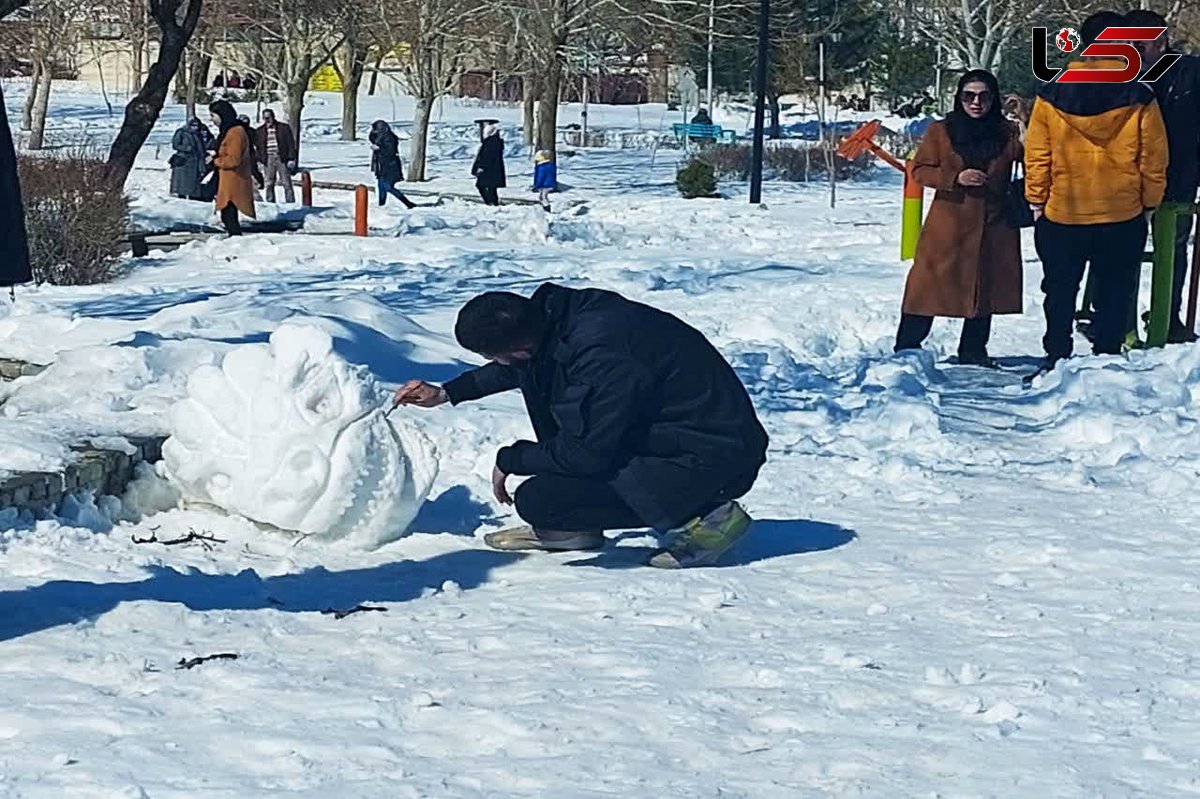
x: 626, y: 394
x: 1178, y: 93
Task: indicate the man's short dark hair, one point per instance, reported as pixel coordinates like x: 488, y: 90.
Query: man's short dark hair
x: 497, y: 323
x: 1145, y: 18
x: 1094, y: 25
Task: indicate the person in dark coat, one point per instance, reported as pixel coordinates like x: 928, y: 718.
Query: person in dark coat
x: 488, y: 168
x: 14, y: 244
x: 189, y: 162
x: 968, y: 260
x: 385, y: 162
x: 640, y: 422
x: 1178, y: 94
x: 255, y: 170
x: 702, y: 117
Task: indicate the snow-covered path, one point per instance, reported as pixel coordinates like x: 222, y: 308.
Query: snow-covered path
x: 955, y: 587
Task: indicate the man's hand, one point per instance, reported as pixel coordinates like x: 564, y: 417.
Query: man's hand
x: 972, y: 177
x: 499, y: 487
x: 421, y: 394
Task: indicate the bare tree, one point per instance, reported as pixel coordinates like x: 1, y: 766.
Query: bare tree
x: 288, y: 40
x: 352, y: 60
x: 52, y: 31
x: 176, y: 23
x: 977, y: 31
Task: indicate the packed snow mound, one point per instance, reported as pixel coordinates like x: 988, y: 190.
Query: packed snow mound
x: 290, y: 434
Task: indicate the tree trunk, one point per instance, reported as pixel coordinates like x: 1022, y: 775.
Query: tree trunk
x: 37, y: 136
x: 530, y: 92
x: 27, y: 112
x: 142, y: 111
x: 183, y: 77
x: 420, y: 140
x: 199, y: 78
x: 352, y: 76
x: 547, y: 133
x: 294, y: 107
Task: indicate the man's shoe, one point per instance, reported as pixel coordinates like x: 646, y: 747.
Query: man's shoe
x: 526, y: 538
x: 702, y: 542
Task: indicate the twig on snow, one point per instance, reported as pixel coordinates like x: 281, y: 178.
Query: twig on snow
x: 341, y: 614
x: 205, y: 540
x: 191, y: 663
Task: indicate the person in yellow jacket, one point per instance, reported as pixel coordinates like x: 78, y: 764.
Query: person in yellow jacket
x: 1095, y: 165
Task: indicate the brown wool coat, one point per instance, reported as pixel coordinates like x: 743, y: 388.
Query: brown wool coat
x: 968, y: 261
x: 234, y: 181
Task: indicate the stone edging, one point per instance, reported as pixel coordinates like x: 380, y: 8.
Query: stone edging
x: 104, y: 471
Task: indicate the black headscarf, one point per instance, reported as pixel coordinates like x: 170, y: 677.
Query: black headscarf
x: 978, y: 141
x: 228, y: 116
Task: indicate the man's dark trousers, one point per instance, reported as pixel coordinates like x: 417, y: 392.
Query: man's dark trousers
x: 1114, y: 251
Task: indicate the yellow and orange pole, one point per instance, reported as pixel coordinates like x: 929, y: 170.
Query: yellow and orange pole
x: 360, y: 211
x: 862, y: 141
x: 913, y: 209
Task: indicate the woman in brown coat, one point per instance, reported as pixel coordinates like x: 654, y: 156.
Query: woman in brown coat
x: 968, y: 262
x: 233, y: 161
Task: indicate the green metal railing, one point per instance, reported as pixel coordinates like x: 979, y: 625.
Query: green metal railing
x: 1163, y: 226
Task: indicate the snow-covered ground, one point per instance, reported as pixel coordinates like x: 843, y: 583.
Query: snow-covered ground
x: 955, y: 587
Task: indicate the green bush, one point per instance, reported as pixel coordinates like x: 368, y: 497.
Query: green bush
x: 696, y: 179
x: 75, y: 216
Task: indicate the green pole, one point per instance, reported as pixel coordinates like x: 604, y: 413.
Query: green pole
x: 1163, y: 225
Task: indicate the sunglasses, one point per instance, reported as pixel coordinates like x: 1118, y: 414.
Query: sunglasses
x: 983, y: 97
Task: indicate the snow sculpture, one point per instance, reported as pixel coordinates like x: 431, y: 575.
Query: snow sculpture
x: 290, y: 434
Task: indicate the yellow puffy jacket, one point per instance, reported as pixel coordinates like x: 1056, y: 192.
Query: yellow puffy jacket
x: 1095, y: 152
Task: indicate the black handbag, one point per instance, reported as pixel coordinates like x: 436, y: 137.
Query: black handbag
x: 1016, y: 207
x: 176, y: 160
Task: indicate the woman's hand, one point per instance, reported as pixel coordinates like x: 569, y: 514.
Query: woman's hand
x: 972, y: 177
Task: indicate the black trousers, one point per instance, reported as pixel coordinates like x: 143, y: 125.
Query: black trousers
x: 1114, y: 251
x: 572, y: 504
x: 229, y: 218
x: 490, y: 195
x: 914, y: 329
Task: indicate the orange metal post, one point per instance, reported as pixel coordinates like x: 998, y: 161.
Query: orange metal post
x: 360, y: 211
x: 306, y: 189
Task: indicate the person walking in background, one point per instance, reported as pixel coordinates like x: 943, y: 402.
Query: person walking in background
x: 488, y: 168
x: 255, y: 172
x: 545, y: 177
x: 14, y: 242
x: 968, y: 260
x: 275, y: 150
x: 189, y: 161
x: 385, y: 162
x: 1095, y: 164
x: 233, y: 161
x: 1178, y: 95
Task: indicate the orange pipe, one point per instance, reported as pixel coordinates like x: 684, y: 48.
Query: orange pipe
x: 912, y: 189
x: 306, y: 189
x: 360, y: 210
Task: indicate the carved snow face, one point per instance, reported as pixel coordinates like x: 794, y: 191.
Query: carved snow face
x: 290, y: 434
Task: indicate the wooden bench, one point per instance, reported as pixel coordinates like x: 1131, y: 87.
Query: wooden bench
x: 710, y: 132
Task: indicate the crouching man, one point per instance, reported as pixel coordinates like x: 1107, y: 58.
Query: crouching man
x: 639, y: 421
